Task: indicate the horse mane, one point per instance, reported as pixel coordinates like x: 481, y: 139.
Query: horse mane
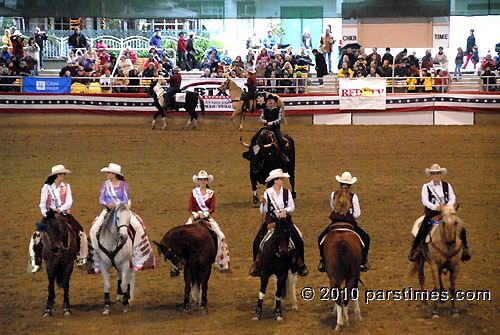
x: 450, y: 213
x: 342, y: 202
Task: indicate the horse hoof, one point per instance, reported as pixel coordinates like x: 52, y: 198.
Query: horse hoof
x: 295, y: 308
x: 454, y: 313
x: 279, y: 318
x: 257, y: 316
x: 47, y: 313
x: 126, y: 308
x: 119, y: 297
x: 67, y: 312
x: 278, y: 315
x: 185, y: 311
x: 435, y: 315
x: 204, y: 310
x: 107, y: 310
x: 339, y: 328
x: 358, y: 318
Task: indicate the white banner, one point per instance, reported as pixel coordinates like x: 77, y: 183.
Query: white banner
x: 207, y: 87
x: 362, y: 93
x: 349, y: 34
x: 440, y: 36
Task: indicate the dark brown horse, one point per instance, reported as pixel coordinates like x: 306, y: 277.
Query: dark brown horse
x: 60, y: 247
x: 192, y: 248
x: 342, y: 260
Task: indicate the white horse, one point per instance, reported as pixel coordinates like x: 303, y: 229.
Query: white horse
x: 114, y: 249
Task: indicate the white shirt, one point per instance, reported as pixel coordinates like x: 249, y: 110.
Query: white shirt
x: 105, y: 80
x: 438, y: 190
x: 355, y: 205
x: 57, y: 193
x: 271, y: 193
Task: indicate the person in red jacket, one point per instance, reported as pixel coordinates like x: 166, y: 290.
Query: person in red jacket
x: 175, y: 87
x: 252, y: 88
x: 182, y: 51
x: 17, y: 44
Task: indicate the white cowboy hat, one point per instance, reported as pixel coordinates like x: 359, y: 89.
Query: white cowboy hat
x: 203, y: 175
x: 251, y: 70
x: 113, y: 168
x: 277, y: 173
x: 436, y: 168
x: 56, y: 169
x: 346, y: 178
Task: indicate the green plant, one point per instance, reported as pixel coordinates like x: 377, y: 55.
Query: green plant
x: 277, y: 29
x: 202, y: 46
x: 7, y: 22
x: 113, y: 24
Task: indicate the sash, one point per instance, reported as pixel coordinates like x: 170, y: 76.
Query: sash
x: 199, y: 199
x: 52, y: 195
x: 274, y: 203
x: 111, y: 191
x: 439, y: 199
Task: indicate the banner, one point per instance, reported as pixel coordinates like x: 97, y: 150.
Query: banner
x: 46, y: 85
x: 362, y: 93
x: 208, y: 89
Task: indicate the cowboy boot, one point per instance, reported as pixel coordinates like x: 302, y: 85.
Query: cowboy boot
x: 83, y: 253
x: 255, y: 268
x: 164, y: 124
x: 465, y: 253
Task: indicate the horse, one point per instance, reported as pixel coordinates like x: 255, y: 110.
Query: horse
x: 60, y: 247
x: 444, y: 253
x: 192, y: 248
x: 277, y: 259
x: 235, y: 92
x: 114, y: 249
x: 342, y: 251
x: 264, y: 157
x: 190, y: 102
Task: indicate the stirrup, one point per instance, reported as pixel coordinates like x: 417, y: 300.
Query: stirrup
x: 412, y: 256
x: 81, y: 262
x: 174, y: 273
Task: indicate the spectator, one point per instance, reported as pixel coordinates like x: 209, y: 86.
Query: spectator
x: 72, y: 57
x: 77, y: 40
x: 360, y: 63
x: 489, y: 80
x: 471, y: 42
x: 17, y: 44
x: 148, y: 71
x: 303, y: 57
x: 205, y: 64
x: 120, y: 82
x: 70, y: 67
x: 40, y: 37
x: 134, y: 81
x: 427, y: 62
x: 273, y: 67
x: 24, y: 68
x: 325, y: 46
x: 6, y: 38
x: 475, y: 57
x: 459, y: 61
x: 374, y: 60
x: 426, y: 80
x: 272, y: 83
x: 130, y: 55
x: 167, y: 63
x: 373, y: 73
x: 81, y: 75
x: 104, y: 58
x: 33, y: 51
x: 321, y: 68
x: 441, y: 80
x: 94, y: 86
x: 251, y: 54
x: 413, y: 80
x: 125, y: 64
x: 253, y: 42
x: 156, y: 55
x: 362, y: 53
x: 226, y: 57
x: 386, y: 69
x: 6, y: 55
x: 182, y: 51
x: 264, y: 56
x: 260, y: 69
x: 90, y: 53
x: 488, y: 60
x: 238, y: 66
x: 497, y: 60
x: 150, y: 60
x: 213, y: 51
x: 288, y: 68
x: 412, y: 60
x: 306, y: 39
x: 401, y: 57
x: 345, y: 71
x: 105, y: 81
x: 101, y: 47
x: 155, y: 40
x: 270, y: 41
x: 206, y: 73
x: 441, y: 59
x: 161, y: 71
x: 249, y: 63
x: 388, y: 56
x: 286, y: 81
x: 191, y: 52
x: 96, y: 70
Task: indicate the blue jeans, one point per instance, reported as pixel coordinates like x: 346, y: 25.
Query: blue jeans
x: 329, y: 56
x: 40, y: 53
x: 458, y: 67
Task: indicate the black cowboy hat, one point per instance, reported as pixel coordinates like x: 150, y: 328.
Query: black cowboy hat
x: 271, y: 96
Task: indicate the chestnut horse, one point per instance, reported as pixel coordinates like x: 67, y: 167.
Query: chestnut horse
x: 342, y: 250
x: 444, y: 253
x: 193, y: 248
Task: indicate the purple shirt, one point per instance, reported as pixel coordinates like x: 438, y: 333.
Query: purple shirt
x: 121, y: 191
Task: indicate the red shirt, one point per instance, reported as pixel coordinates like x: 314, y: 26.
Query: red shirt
x: 252, y: 82
x: 181, y: 45
x: 209, y: 202
x: 175, y: 80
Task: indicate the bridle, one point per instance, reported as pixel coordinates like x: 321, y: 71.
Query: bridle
x: 111, y: 254
x: 445, y: 254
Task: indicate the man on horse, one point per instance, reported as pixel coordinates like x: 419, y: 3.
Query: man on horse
x: 252, y: 88
x: 435, y: 195
x: 272, y: 116
x: 345, y: 208
x: 175, y: 87
x: 277, y: 204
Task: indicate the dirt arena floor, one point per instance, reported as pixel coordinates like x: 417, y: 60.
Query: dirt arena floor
x: 388, y: 160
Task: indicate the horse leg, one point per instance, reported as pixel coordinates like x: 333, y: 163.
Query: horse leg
x: 67, y: 275
x: 357, y: 311
x: 436, y: 279
x: 278, y: 314
x: 124, y: 284
x: 292, y: 282
x: 52, y: 295
x: 421, y: 277
x: 233, y: 115
x: 264, y: 279
x: 187, y: 290
x: 453, y: 278
x: 204, y: 291
x: 105, y: 279
x: 132, y: 286
x: 292, y: 183
x: 255, y: 199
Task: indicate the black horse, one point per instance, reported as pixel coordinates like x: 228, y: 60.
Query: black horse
x: 60, y: 247
x: 265, y: 157
x: 162, y: 104
x: 277, y: 259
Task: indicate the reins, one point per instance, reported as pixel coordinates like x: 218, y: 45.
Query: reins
x: 443, y: 253
x: 111, y: 254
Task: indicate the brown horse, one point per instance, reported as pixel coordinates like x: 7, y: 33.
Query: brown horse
x: 60, y: 247
x: 444, y: 253
x: 193, y: 248
x: 235, y: 92
x: 343, y: 257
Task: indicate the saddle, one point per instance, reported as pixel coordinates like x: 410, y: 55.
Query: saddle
x: 342, y: 226
x: 268, y: 236
x: 418, y: 223
x: 205, y: 223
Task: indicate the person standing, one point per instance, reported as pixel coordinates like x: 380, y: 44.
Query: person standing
x: 155, y: 40
x: 181, y: 51
x: 306, y: 39
x: 191, y: 52
x: 40, y: 37
x: 459, y: 61
x: 325, y: 46
x: 471, y: 42
x: 77, y: 40
x: 17, y: 44
x: 321, y: 69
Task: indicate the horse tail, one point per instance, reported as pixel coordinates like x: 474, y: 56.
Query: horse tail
x: 345, y: 261
x: 202, y: 104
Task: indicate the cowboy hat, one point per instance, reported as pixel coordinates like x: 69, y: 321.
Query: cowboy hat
x: 251, y: 70
x: 277, y: 173
x: 271, y: 97
x: 56, y: 169
x: 346, y: 178
x: 177, y: 69
x: 436, y: 168
x: 157, y: 29
x: 203, y: 175
x: 113, y: 168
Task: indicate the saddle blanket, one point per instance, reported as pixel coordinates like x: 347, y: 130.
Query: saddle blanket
x: 344, y: 229
x: 180, y: 97
x: 269, y: 234
x: 416, y: 227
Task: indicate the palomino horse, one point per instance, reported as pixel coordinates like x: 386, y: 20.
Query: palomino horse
x: 444, y: 253
x: 60, y: 247
x: 114, y: 249
x: 277, y: 258
x: 193, y: 248
x: 235, y: 92
x: 342, y: 250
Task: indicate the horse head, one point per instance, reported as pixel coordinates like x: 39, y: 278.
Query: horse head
x: 282, y: 234
x: 450, y: 225
x: 55, y: 234
x: 122, y: 218
x: 224, y: 87
x: 169, y: 254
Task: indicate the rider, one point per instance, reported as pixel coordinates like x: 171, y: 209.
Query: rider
x: 158, y: 99
x: 113, y: 192
x: 435, y: 195
x: 277, y: 203
x: 56, y: 195
x: 252, y: 88
x: 202, y: 206
x: 175, y: 87
x: 272, y: 116
x: 345, y: 208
